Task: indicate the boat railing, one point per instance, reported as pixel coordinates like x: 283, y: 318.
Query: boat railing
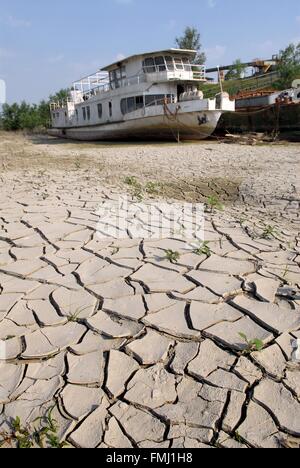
x: 61, y: 104
x: 122, y: 83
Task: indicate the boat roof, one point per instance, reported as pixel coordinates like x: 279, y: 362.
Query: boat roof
x: 192, y: 53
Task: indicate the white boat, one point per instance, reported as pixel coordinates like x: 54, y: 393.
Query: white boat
x: 147, y: 96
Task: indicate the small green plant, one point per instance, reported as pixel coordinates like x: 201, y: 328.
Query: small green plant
x: 213, y: 203
x: 152, y: 188
x: 137, y: 189
x: 203, y: 249
x: 74, y: 317
x: 269, y: 232
x: 77, y: 164
x: 172, y: 256
x: 131, y: 181
x: 285, y: 272
x: 237, y: 437
x: 24, y: 437
x: 252, y: 345
x: 138, y: 193
x: 50, y: 430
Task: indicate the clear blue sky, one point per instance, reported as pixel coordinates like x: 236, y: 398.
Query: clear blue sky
x: 45, y: 45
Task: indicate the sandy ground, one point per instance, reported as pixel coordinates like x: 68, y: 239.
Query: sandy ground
x: 136, y: 342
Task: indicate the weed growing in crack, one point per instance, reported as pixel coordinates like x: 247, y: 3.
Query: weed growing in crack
x: 252, y: 345
x: 75, y: 316
x: 131, y: 181
x: 270, y: 232
x: 203, y: 249
x: 238, y: 438
x: 77, y: 164
x: 115, y: 250
x: 152, y: 188
x: 213, y: 203
x: 172, y: 256
x: 24, y: 437
x: 285, y: 273
x: 138, y: 193
x: 137, y: 189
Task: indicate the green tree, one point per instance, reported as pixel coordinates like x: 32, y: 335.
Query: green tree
x: 237, y: 71
x: 61, y: 95
x: 44, y: 113
x: 10, y: 118
x: 191, y: 40
x: 289, y: 66
x: 29, y: 116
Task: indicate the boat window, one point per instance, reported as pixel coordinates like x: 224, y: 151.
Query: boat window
x: 54, y: 115
x: 158, y: 99
x: 139, y: 102
x: 110, y: 109
x: 149, y: 65
x: 160, y: 63
x: 57, y: 115
x: 298, y: 97
x: 186, y: 63
x: 100, y: 111
x: 131, y: 104
x: 124, y: 106
x: 114, y: 81
x: 170, y: 63
x: 84, y: 113
x: 116, y: 76
x: 153, y: 100
x: 76, y: 114
x: 88, y: 111
x: 178, y: 63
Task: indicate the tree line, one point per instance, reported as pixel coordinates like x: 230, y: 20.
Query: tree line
x: 31, y: 116
x: 26, y: 116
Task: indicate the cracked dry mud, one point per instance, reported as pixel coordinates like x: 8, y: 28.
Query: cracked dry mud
x: 130, y: 349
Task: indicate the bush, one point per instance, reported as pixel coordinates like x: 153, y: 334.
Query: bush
x: 28, y: 116
x: 289, y: 66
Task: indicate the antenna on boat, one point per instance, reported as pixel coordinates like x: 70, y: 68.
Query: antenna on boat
x: 220, y: 80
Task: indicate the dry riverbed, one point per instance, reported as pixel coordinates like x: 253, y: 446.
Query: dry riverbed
x: 135, y: 342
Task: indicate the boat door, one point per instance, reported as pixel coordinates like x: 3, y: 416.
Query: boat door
x: 180, y: 90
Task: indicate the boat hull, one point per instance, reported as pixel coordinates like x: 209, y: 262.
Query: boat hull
x: 196, y: 125
x: 270, y: 119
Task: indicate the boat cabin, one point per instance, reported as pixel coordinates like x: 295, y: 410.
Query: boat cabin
x: 129, y: 85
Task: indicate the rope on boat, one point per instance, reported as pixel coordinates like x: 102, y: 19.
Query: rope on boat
x: 172, y: 116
